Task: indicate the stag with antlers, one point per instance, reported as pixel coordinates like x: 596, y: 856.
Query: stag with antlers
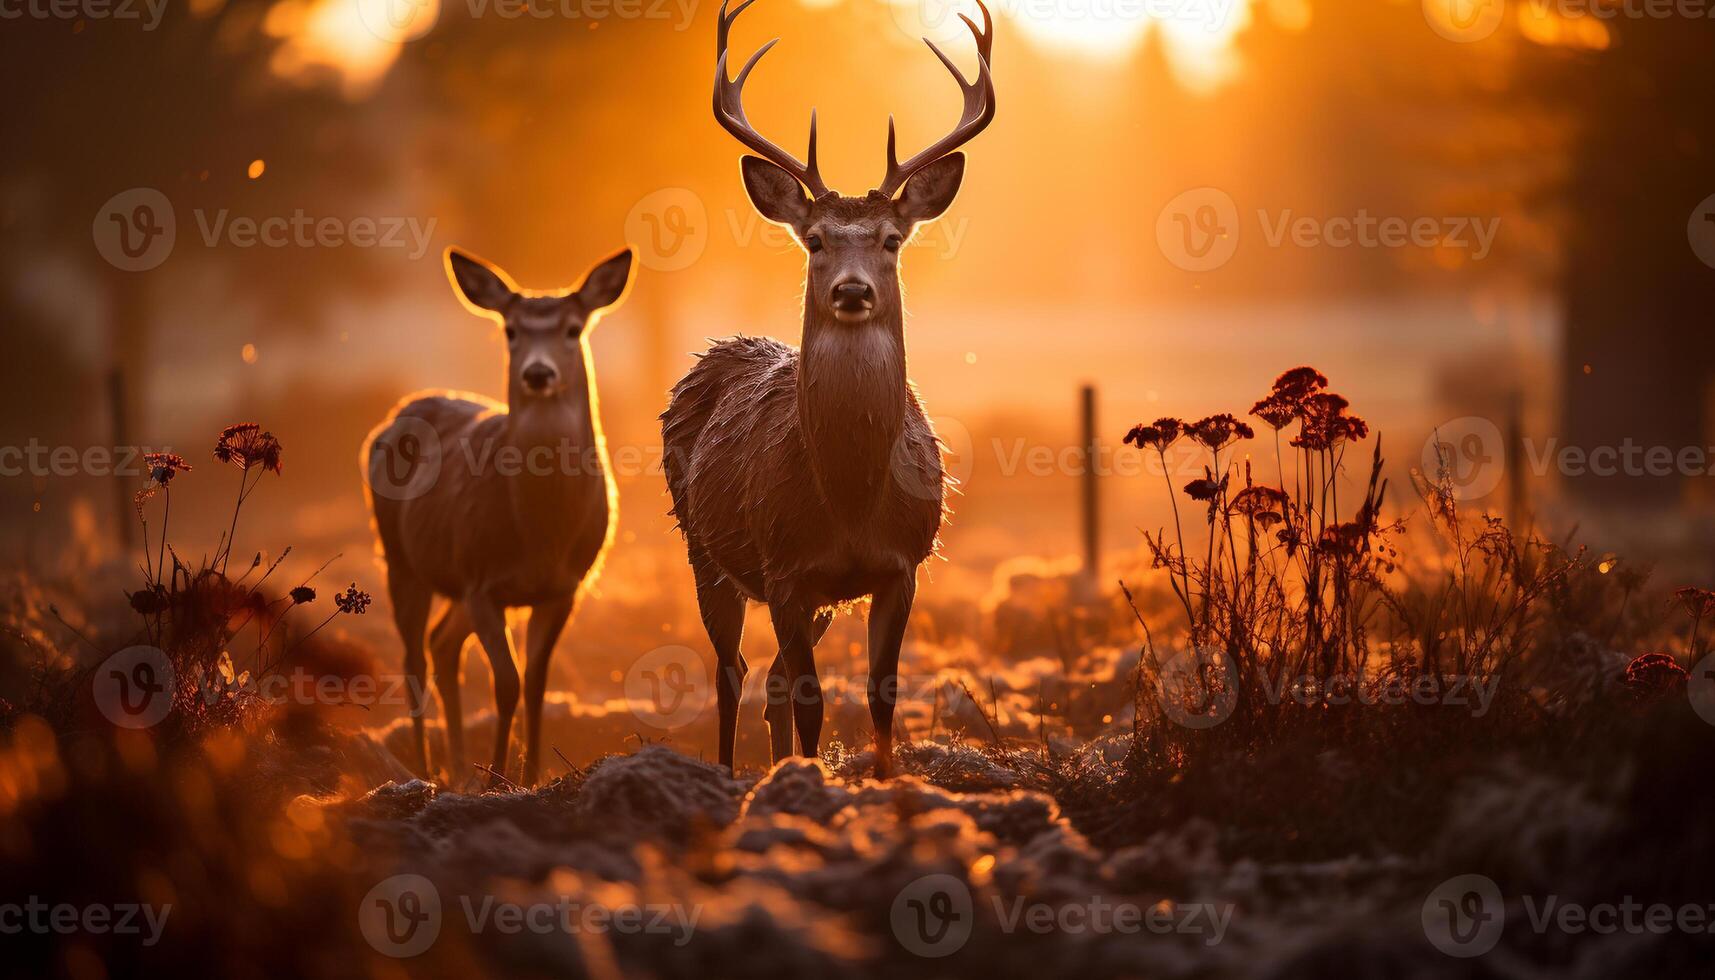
x: 810, y: 478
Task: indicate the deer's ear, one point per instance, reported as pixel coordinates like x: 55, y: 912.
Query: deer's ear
x: 930, y: 191
x: 606, y: 283
x: 482, y: 286
x: 776, y: 193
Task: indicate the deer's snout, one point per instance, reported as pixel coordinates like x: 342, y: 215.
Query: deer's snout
x: 853, y: 299
x: 539, y: 378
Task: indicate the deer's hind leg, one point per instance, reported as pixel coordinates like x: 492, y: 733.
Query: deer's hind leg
x: 546, y: 623
x: 722, y: 609
x: 446, y: 650
x: 795, y: 629
x: 779, y: 688
x: 488, y: 618
x: 411, y: 598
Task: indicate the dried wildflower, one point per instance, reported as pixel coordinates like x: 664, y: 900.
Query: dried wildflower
x: 245, y: 445
x: 164, y: 466
x: 1347, y: 539
x: 1208, y: 489
x: 1299, y: 383
x: 1652, y: 676
x: 143, y: 496
x: 1159, y: 436
x: 1698, y: 602
x: 1326, y: 423
x: 1264, y: 505
x: 151, y: 600
x: 1277, y: 411
x: 1205, y: 489
x: 1220, y: 431
x: 303, y: 594
x: 353, y: 601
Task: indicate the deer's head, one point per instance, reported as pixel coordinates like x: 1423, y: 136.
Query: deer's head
x: 853, y: 243
x: 546, y: 333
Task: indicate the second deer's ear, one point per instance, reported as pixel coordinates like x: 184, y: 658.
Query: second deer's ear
x: 930, y: 191
x: 479, y: 284
x: 775, y: 193
x: 606, y: 283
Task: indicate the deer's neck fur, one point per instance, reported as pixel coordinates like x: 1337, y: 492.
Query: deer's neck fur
x: 553, y: 442
x: 852, y: 400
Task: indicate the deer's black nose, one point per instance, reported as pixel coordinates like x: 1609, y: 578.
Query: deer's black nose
x: 537, y: 377
x: 853, y: 296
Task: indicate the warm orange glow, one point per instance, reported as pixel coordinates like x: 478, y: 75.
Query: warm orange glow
x: 358, y: 39
x: 1544, y: 26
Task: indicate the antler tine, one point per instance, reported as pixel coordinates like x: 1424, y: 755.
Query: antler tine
x: 978, y: 110
x: 729, y: 108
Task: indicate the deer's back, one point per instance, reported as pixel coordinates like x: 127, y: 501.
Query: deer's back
x: 744, y: 492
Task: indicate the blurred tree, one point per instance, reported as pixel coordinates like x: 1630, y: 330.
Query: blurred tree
x: 103, y: 106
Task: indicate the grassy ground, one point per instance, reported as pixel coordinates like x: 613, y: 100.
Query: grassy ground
x: 1303, y: 742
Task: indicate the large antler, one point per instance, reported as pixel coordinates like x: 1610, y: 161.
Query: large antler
x: 977, y: 114
x: 729, y: 109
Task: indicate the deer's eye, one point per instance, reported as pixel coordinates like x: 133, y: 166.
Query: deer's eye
x: 511, y: 334
x: 892, y: 243
x: 572, y: 332
x: 813, y: 243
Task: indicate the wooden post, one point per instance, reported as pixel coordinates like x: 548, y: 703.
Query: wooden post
x: 124, y: 515
x: 1091, y: 496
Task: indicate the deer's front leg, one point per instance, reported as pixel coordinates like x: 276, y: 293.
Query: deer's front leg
x: 489, y: 620
x: 546, y: 622
x: 794, y: 626
x: 888, y: 614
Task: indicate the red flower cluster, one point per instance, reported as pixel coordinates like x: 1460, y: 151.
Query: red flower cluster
x: 352, y: 601
x: 164, y: 466
x: 1302, y: 394
x: 1220, y: 431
